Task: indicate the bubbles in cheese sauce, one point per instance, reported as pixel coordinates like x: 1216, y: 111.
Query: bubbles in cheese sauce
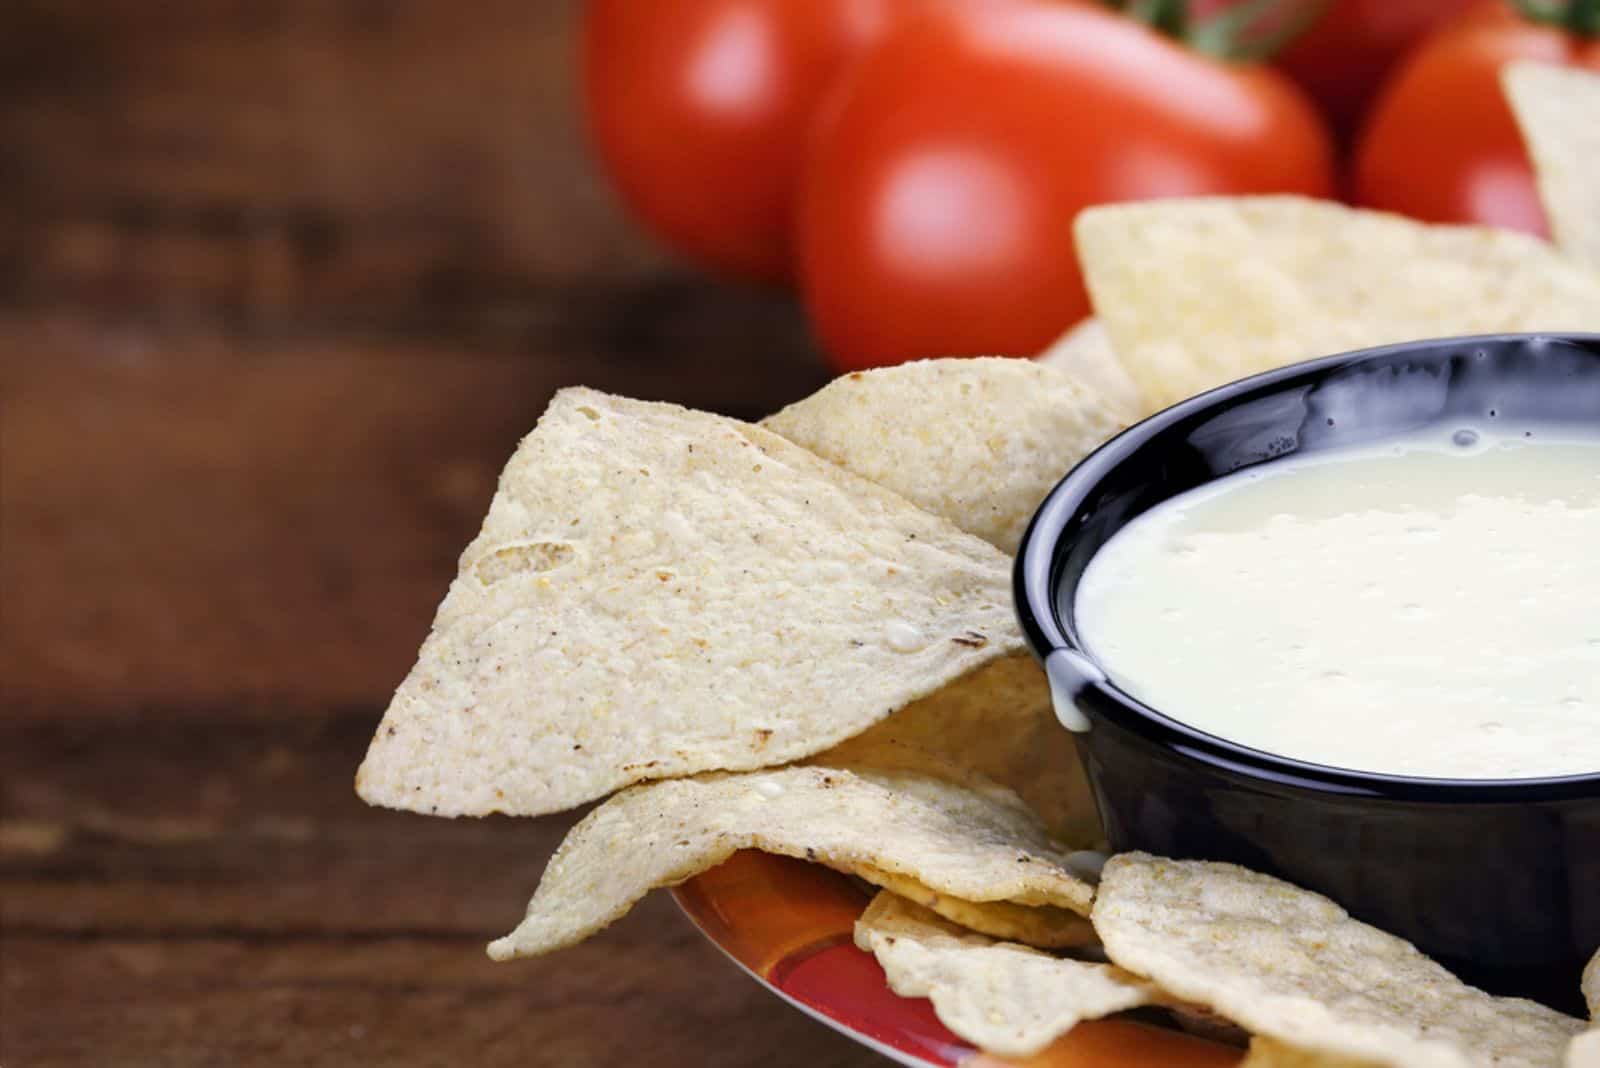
x: 1428, y: 607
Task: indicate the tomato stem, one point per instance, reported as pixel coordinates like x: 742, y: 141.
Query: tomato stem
x: 1244, y: 31
x: 1576, y: 16
x: 1254, y: 30
x: 1171, y: 17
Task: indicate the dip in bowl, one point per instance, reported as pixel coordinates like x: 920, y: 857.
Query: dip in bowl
x: 1345, y: 629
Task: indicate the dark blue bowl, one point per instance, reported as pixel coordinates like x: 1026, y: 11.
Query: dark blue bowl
x: 1497, y: 879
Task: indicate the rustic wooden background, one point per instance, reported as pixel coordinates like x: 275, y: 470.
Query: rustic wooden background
x: 281, y: 283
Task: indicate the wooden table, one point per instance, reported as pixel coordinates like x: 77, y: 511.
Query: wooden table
x: 217, y: 558
x: 281, y: 285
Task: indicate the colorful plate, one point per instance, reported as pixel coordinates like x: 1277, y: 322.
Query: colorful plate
x: 789, y: 925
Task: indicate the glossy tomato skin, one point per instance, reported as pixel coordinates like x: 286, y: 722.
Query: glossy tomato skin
x: 699, y: 110
x: 1342, y: 60
x: 936, y: 215
x: 1441, y: 143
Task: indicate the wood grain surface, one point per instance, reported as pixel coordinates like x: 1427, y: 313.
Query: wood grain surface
x: 281, y: 285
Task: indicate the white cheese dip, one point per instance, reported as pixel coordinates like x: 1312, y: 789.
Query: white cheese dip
x: 1427, y: 607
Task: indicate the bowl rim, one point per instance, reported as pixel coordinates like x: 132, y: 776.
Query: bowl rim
x: 1038, y: 572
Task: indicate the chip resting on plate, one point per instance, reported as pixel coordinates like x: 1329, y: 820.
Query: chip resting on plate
x: 1558, y: 109
x: 977, y: 441
x: 1196, y: 293
x: 969, y: 839
x: 1005, y: 999
x: 1294, y: 967
x: 1591, y: 987
x: 1043, y: 926
x: 1085, y: 352
x: 657, y: 592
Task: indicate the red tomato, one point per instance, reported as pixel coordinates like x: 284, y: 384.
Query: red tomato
x: 937, y: 207
x: 1441, y: 143
x: 1342, y: 59
x: 699, y: 109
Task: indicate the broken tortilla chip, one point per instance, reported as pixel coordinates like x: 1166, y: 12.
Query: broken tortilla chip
x: 1085, y: 352
x: 1558, y: 109
x: 1591, y: 987
x: 1005, y: 999
x: 970, y: 843
x: 979, y: 442
x: 1294, y: 967
x: 1196, y: 293
x: 1041, y: 926
x: 658, y: 592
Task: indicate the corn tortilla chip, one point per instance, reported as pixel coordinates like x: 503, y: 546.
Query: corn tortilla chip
x: 1196, y: 293
x: 1294, y: 967
x: 1558, y: 109
x: 1042, y: 926
x: 1585, y: 1049
x: 657, y: 592
x: 1005, y: 999
x: 999, y: 722
x: 974, y: 844
x: 1265, y: 1053
x: 977, y: 441
x: 1085, y: 352
x: 1591, y: 987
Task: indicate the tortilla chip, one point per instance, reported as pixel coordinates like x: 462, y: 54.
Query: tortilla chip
x: 1041, y: 926
x: 1005, y: 999
x: 1196, y: 293
x: 1294, y: 967
x: 1085, y: 352
x: 658, y: 592
x: 976, y: 441
x: 1585, y: 1049
x: 1558, y: 109
x: 999, y: 721
x: 1265, y: 1053
x: 975, y: 844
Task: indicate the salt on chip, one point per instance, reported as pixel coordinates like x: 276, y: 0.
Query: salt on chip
x: 658, y: 591
x: 1558, y: 109
x: 1195, y: 293
x: 1005, y: 999
x: 999, y: 722
x: 1041, y: 926
x: 973, y: 844
x: 1085, y: 352
x: 1294, y: 967
x: 977, y: 441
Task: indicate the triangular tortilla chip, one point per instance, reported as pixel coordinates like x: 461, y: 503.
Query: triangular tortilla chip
x: 977, y: 441
x: 1005, y: 999
x: 1196, y: 293
x: 1085, y: 352
x: 1558, y: 109
x: 658, y: 592
x: 971, y: 840
x: 1295, y: 967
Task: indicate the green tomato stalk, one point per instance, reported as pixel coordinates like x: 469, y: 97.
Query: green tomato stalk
x: 1249, y: 31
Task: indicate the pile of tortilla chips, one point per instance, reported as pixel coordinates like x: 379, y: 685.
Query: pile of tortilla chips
x: 798, y: 637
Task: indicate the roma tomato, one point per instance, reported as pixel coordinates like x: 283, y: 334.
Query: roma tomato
x: 1342, y: 59
x: 937, y: 207
x: 699, y: 110
x: 1441, y: 143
